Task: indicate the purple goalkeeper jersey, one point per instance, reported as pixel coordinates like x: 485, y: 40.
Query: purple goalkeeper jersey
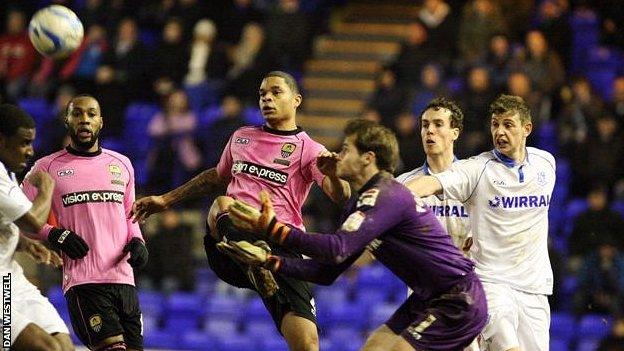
x: 93, y: 196
x: 400, y: 231
x: 281, y: 162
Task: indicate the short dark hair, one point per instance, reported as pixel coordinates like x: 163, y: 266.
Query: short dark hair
x: 511, y: 104
x: 79, y: 96
x: 13, y: 118
x: 371, y: 136
x: 289, y: 79
x: 457, y: 116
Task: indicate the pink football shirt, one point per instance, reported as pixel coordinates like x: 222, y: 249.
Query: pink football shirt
x: 283, y: 163
x: 93, y: 197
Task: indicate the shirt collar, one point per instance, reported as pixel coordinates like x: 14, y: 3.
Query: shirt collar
x: 371, y: 182
x: 508, y: 161
x: 83, y: 153
x: 426, y: 165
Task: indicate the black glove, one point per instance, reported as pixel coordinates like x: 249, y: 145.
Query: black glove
x: 68, y: 242
x: 138, y: 253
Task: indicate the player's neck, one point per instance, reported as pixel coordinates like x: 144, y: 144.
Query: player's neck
x: 89, y: 150
x: 440, y: 162
x: 284, y: 125
x: 361, y: 179
x: 517, y: 155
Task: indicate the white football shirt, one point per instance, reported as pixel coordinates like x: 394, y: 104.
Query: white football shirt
x: 508, y: 205
x: 13, y: 205
x: 450, y: 212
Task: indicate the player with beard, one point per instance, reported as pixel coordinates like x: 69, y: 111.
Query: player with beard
x: 92, y: 200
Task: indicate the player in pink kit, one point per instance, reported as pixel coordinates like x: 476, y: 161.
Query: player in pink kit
x: 282, y: 159
x: 92, y: 201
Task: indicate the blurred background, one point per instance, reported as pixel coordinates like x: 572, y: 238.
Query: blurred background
x: 176, y: 77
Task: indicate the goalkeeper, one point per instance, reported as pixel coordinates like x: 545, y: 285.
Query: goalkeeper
x: 447, y: 309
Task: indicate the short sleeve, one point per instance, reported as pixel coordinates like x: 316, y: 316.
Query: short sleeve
x: 224, y: 167
x: 309, y: 167
x: 460, y: 181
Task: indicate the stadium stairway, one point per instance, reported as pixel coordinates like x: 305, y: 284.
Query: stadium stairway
x: 340, y: 76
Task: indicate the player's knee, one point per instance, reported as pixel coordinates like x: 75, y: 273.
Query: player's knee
x: 218, y: 209
x: 46, y: 344
x: 308, y: 342
x: 65, y: 341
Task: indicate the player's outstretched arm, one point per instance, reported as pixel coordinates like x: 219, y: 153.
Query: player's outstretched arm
x: 38, y: 252
x: 335, y: 188
x: 425, y: 186
x: 33, y: 220
x: 200, y: 185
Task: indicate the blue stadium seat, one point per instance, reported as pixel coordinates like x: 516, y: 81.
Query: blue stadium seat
x: 161, y: 339
x: 574, y: 208
x: 585, y: 33
x: 180, y: 322
x: 594, y: 326
x: 224, y: 328
x: 237, y: 343
x: 197, y: 340
x: 371, y: 297
x: 547, y: 138
x: 255, y: 310
x: 558, y: 344
x: 346, y: 314
x: 38, y: 108
x: 114, y: 144
x: 276, y: 343
x: 380, y: 314
x: 137, y: 118
x: 223, y: 308
x: 208, y: 116
x: 618, y: 206
x: 562, y: 325
x: 253, y: 116
x: 259, y: 329
x: 373, y: 276
x: 588, y: 345
x: 203, y: 95
x: 601, y: 69
x: 185, y: 302
x: 330, y: 295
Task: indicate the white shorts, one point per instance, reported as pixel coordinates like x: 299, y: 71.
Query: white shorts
x: 516, y: 319
x: 29, y: 306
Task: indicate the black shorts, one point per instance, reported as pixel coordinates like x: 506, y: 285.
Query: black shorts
x: 99, y: 311
x: 293, y: 295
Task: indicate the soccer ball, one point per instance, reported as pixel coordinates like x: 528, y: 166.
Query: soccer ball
x: 55, y: 31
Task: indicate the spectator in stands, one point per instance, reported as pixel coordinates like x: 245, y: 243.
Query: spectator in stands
x: 94, y: 12
x: 251, y: 59
x: 175, y: 156
x: 595, y: 227
x: 612, y: 14
x: 407, y: 132
x: 542, y: 64
x: 389, y: 98
x: 430, y: 87
x: 436, y: 16
x: 601, y: 281
x: 170, y: 58
x: 475, y: 102
x: 604, y: 151
x: 170, y: 249
x: 500, y: 61
x: 519, y: 84
x: 235, y: 17
x: 216, y: 135
x: 17, y: 57
x: 113, y: 100
x: 208, y: 63
x: 55, y: 137
x: 129, y: 61
x: 615, y: 341
x: 415, y: 52
x: 581, y: 107
x: 81, y: 67
x: 553, y: 22
x: 617, y: 105
x: 480, y: 20
x: 288, y: 33
x: 190, y: 12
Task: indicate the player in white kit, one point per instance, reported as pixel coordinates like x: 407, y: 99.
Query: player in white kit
x: 441, y: 123
x: 507, y: 192
x: 33, y: 323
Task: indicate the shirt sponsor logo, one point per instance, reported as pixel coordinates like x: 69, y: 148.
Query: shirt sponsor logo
x: 256, y: 170
x: 532, y: 201
x: 449, y: 211
x: 282, y: 162
x: 65, y: 172
x: 287, y: 149
x: 242, y: 141
x: 92, y: 196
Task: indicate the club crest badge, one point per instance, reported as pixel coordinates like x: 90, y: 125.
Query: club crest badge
x: 288, y: 149
x: 95, y: 322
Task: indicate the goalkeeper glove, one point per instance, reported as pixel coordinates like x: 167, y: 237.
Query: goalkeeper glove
x: 263, y: 222
x: 68, y: 242
x: 138, y: 253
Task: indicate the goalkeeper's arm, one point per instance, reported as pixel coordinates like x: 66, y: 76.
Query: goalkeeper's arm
x: 308, y: 269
